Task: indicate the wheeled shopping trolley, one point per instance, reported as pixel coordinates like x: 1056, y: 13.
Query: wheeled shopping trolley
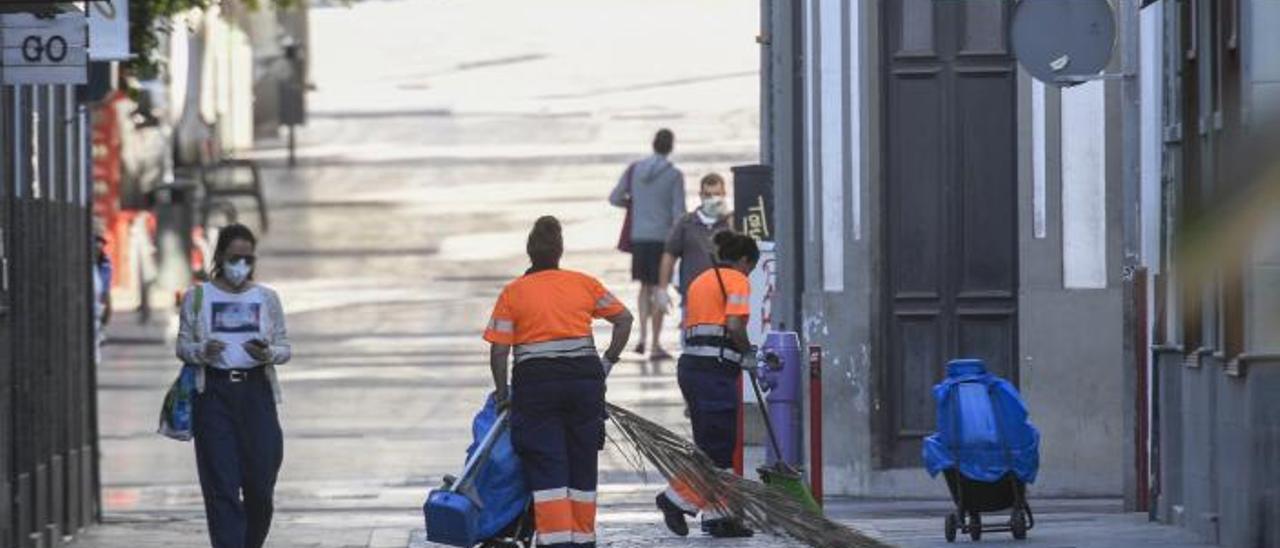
x: 987, y: 450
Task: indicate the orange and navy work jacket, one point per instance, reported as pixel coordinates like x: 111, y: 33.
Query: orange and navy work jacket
x: 547, y: 315
x: 706, y: 331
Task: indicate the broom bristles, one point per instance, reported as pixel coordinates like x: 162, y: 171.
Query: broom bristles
x: 759, y: 506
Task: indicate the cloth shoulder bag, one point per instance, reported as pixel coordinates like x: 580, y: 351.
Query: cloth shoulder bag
x: 177, y: 410
x: 624, y: 238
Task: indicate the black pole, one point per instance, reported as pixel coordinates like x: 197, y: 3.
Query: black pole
x: 293, y: 160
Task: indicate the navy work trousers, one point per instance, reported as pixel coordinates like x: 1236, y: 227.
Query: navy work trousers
x: 711, y: 390
x: 239, y: 448
x: 556, y: 427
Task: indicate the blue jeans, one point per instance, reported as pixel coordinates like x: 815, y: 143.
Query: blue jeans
x: 239, y: 448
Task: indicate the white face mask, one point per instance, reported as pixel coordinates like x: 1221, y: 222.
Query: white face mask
x: 715, y: 206
x: 236, y: 272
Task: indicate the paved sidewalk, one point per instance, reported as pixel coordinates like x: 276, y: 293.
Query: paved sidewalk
x: 629, y: 521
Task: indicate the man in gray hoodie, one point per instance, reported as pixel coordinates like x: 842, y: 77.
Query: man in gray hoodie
x: 654, y: 190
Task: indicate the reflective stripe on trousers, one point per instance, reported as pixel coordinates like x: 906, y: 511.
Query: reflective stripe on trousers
x: 688, y: 499
x: 565, y: 516
x: 685, y: 496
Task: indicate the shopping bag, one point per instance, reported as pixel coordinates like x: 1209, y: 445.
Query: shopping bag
x: 624, y: 238
x: 176, y: 412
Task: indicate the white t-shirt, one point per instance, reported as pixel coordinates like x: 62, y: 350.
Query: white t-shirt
x: 234, y: 319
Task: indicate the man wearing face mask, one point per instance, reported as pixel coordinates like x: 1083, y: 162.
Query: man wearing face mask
x: 691, y: 239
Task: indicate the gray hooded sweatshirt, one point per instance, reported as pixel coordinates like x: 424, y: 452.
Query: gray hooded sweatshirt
x: 656, y: 197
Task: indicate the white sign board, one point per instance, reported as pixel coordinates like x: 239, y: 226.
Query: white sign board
x: 36, y: 51
x: 764, y: 284
x: 109, y: 30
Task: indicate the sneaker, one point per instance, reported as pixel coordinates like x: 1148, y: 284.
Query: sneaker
x: 672, y: 515
x: 728, y: 528
x: 639, y: 349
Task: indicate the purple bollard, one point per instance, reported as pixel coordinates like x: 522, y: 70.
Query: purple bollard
x: 781, y: 371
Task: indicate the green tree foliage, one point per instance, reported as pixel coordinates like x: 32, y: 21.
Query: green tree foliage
x: 150, y: 19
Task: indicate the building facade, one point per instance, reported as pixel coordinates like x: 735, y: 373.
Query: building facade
x: 1213, y: 222
x: 936, y: 202
x: 1112, y: 247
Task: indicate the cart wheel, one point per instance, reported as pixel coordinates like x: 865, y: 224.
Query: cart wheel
x: 953, y: 523
x: 975, y: 526
x: 1018, y: 524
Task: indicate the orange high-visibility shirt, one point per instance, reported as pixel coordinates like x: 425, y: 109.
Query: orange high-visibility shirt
x: 707, y: 305
x: 549, y: 305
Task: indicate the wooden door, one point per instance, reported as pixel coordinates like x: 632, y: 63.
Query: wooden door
x: 950, y: 217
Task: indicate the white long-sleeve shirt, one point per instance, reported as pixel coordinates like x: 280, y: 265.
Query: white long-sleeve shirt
x: 233, y: 318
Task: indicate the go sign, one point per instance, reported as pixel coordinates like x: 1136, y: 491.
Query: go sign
x: 43, y: 51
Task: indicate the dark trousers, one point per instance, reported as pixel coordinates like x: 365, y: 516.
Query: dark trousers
x: 711, y: 390
x: 556, y: 427
x: 239, y: 448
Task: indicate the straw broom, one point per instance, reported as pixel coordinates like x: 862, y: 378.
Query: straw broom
x: 757, y: 505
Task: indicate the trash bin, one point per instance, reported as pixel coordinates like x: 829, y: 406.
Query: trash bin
x: 782, y: 371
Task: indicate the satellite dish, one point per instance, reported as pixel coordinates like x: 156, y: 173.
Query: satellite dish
x: 1063, y: 42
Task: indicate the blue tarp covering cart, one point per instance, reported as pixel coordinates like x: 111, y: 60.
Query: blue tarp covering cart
x: 488, y: 504
x: 985, y: 446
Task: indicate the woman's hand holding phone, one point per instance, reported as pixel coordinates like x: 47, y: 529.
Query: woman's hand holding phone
x: 258, y: 349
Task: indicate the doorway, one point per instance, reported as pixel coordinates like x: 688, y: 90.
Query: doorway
x: 950, y: 206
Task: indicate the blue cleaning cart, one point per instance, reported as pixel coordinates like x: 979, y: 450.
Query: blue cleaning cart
x: 985, y: 447
x: 488, y: 504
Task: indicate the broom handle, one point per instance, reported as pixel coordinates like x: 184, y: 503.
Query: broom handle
x: 764, y: 410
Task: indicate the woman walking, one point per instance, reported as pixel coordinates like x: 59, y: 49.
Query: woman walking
x: 233, y: 329
x: 709, y: 372
x: 557, y: 394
